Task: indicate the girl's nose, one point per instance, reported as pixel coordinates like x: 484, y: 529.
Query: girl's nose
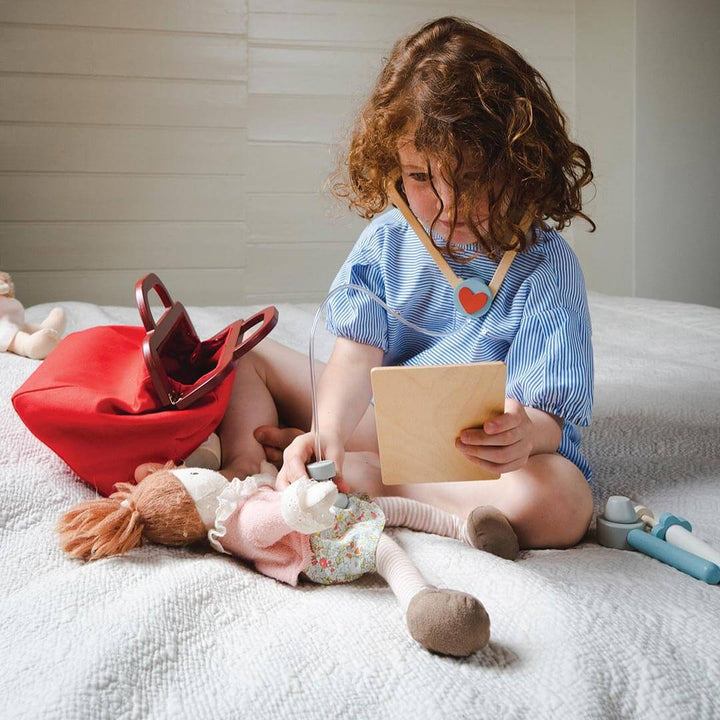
x: 446, y: 195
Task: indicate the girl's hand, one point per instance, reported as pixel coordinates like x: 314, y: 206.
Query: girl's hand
x: 274, y: 440
x: 301, y: 451
x: 504, y: 443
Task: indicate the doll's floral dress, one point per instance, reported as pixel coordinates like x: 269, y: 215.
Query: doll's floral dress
x: 346, y: 551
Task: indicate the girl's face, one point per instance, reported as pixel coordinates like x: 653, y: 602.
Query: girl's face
x: 423, y: 201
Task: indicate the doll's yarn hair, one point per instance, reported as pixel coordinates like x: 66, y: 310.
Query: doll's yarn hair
x: 158, y: 509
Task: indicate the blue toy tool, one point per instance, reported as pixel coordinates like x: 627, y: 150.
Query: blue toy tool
x: 670, y: 541
x: 678, y: 531
x: 682, y: 560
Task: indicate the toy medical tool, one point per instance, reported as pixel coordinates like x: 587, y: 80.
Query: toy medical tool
x: 677, y: 531
x: 325, y: 470
x: 625, y: 527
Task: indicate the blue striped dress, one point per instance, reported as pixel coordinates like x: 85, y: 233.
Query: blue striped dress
x: 538, y: 323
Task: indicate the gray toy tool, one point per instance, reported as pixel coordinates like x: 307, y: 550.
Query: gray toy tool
x: 616, y: 522
x: 325, y: 470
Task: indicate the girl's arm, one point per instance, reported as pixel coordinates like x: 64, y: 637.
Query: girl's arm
x: 344, y: 390
x: 344, y: 393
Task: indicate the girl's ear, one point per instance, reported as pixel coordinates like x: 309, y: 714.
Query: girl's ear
x: 394, y: 179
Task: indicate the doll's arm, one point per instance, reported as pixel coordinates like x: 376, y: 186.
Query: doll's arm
x: 267, y: 516
x: 256, y: 532
x: 262, y: 520
x: 306, y: 505
x: 251, y: 525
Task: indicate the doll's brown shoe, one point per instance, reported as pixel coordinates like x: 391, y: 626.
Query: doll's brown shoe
x: 448, y: 622
x: 489, y: 530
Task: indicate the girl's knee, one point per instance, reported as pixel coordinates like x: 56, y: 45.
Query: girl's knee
x: 553, y: 504
x: 361, y: 471
x: 251, y: 361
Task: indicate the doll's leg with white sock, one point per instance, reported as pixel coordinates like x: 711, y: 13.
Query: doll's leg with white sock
x: 444, y: 621
x: 37, y: 345
x: 54, y: 321
x: 486, y: 528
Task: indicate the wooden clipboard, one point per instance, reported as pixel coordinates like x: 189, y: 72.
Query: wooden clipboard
x: 419, y: 411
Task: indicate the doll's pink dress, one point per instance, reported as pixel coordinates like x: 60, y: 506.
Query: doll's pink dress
x: 250, y: 525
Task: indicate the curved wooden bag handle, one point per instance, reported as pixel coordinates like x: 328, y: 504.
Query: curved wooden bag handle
x: 268, y: 317
x: 234, y: 348
x: 143, y: 288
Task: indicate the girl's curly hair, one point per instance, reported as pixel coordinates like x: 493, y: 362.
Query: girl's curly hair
x: 489, y: 119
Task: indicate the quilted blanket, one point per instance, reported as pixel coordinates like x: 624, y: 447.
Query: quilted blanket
x: 588, y: 632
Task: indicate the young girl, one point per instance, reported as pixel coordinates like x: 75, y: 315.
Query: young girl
x: 481, y: 147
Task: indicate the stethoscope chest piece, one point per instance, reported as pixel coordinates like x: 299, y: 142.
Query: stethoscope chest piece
x: 472, y: 297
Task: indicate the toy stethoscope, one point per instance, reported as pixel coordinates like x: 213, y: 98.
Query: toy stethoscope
x: 472, y: 296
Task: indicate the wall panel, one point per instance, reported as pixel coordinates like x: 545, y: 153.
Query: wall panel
x: 121, y: 53
x: 121, y: 101
x: 207, y: 16
x: 67, y: 246
x: 114, y: 149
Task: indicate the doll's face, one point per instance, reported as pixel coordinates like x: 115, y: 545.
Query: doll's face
x: 418, y: 184
x: 7, y: 289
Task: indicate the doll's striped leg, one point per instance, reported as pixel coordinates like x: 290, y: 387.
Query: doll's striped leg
x: 444, y: 621
x: 486, y: 528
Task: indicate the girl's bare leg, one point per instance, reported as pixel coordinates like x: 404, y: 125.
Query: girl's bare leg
x: 272, y: 387
x: 548, y: 502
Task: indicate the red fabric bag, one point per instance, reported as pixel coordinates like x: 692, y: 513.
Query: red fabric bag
x: 111, y: 397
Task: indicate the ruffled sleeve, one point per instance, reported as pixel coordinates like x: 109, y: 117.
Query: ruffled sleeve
x: 352, y: 313
x: 249, y: 525
x: 550, y: 364
x: 229, y: 500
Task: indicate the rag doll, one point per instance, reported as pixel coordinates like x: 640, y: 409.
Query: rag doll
x: 295, y: 534
x: 33, y: 340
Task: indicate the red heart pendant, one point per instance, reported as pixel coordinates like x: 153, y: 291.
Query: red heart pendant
x: 471, y: 301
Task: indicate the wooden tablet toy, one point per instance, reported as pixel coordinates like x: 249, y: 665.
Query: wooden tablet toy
x: 420, y: 411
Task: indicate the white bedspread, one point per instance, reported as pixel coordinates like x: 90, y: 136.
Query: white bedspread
x: 582, y: 633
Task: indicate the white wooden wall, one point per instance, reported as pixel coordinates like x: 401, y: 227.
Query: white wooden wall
x: 193, y: 137
x: 647, y: 76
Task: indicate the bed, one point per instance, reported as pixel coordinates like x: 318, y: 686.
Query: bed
x: 588, y: 632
